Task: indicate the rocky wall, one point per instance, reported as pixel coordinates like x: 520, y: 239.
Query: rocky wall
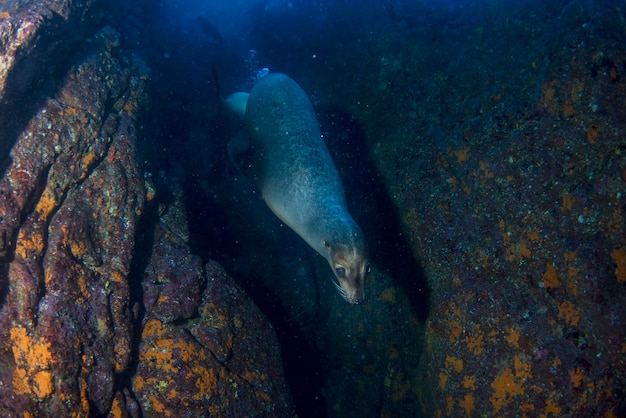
x: 503, y: 150
x: 104, y: 311
x: 71, y: 199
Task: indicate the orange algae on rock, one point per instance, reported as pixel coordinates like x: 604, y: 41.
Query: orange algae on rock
x: 42, y: 385
x: 27, y: 243
x: 47, y: 203
x: 475, y: 341
x: 449, y: 405
x: 619, y: 256
x: 160, y: 355
x: 467, y: 404
x: 568, y: 109
x: 550, y: 277
x: 567, y: 203
x: 552, y: 409
x: 265, y: 397
x: 158, y: 407
x: 547, y: 101
x: 484, y: 168
x: 522, y: 368
x: 505, y: 387
x: 116, y: 409
x: 569, y: 313
x: 454, y: 363
x: 469, y: 382
x: 577, y: 377
x: 592, y: 134
x: 88, y: 160
x: 33, y: 359
x: 20, y: 382
x: 401, y: 386
x: 512, y: 337
x: 572, y: 277
x: 461, y: 155
x: 84, y: 398
x: 443, y: 380
x: 206, y: 382
x: 455, y: 331
x: 516, y: 251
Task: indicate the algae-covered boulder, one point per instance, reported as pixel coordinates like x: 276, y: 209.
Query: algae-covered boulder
x: 104, y: 311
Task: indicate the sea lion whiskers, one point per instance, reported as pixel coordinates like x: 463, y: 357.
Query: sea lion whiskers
x: 342, y: 292
x: 347, y: 253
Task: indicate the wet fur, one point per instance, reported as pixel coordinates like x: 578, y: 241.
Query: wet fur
x: 299, y: 181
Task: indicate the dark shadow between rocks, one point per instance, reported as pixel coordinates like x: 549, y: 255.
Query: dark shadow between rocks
x: 144, y: 245
x: 230, y: 223
x: 4, y: 282
x: 37, y: 68
x: 301, y: 358
x: 371, y: 206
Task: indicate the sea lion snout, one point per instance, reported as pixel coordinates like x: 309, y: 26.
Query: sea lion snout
x: 350, y: 269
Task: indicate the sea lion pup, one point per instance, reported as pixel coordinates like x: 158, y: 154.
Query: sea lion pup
x: 291, y: 165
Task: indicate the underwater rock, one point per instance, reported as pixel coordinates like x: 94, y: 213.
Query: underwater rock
x: 71, y: 197
x: 510, y: 185
x: 173, y: 282
x: 35, y: 43
x: 211, y: 364
x: 72, y: 202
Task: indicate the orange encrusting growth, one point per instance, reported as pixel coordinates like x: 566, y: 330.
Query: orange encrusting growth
x: 47, y: 203
x: 29, y: 243
x: 550, y: 277
x: 505, y: 388
x: 33, y: 360
x: 569, y: 313
x: 619, y: 257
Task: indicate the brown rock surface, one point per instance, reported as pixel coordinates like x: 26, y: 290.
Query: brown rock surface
x: 34, y: 43
x: 503, y: 150
x: 71, y: 197
x: 71, y: 200
x: 206, y: 349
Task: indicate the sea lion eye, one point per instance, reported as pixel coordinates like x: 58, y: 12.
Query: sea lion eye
x: 341, y: 272
x: 368, y: 269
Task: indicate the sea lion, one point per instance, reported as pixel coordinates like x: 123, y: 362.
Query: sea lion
x: 292, y: 167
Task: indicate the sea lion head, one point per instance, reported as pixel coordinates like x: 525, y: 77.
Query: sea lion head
x: 350, y: 266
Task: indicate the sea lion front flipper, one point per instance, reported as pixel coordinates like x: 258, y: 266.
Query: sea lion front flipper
x: 239, y: 148
x: 240, y: 151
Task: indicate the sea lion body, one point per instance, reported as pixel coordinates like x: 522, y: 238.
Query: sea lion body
x: 298, y: 180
